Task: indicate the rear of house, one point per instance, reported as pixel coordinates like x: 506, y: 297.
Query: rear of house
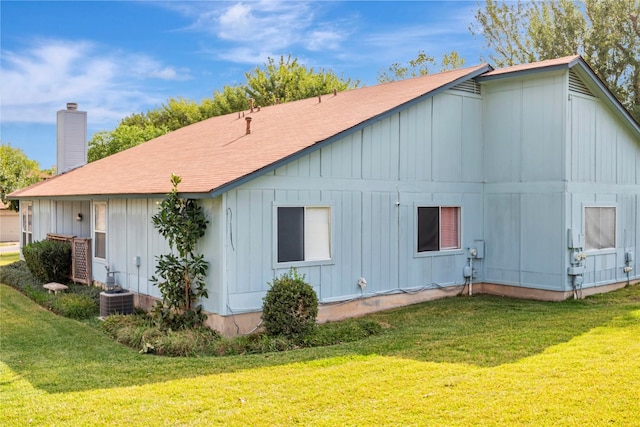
x: 523, y: 181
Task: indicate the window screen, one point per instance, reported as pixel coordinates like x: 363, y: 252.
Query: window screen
x: 304, y: 234
x: 438, y: 228
x: 290, y: 234
x: 599, y: 228
x: 428, y: 229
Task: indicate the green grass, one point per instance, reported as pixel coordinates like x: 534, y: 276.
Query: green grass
x: 9, y: 257
x: 458, y: 361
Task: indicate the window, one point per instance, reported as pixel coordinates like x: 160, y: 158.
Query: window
x: 100, y: 230
x: 304, y: 233
x: 438, y: 228
x: 599, y: 228
x: 27, y: 223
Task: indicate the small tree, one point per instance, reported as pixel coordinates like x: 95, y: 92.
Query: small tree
x: 181, y: 276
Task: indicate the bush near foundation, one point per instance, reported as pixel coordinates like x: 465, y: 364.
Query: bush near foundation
x: 290, y: 307
x: 48, y: 260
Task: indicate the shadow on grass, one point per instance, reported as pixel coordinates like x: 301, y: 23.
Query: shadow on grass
x: 58, y: 355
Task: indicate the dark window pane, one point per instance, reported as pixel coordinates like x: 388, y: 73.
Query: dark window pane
x: 290, y: 234
x: 428, y: 232
x: 100, y: 245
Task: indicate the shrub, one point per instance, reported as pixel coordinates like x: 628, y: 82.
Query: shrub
x: 140, y: 332
x: 290, y: 307
x: 48, y: 260
x: 18, y: 276
x: 74, y: 306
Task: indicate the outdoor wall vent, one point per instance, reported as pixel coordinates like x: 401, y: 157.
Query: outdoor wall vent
x: 576, y: 84
x: 469, y: 86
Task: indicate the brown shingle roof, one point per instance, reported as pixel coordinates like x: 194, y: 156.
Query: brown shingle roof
x: 216, y: 152
x: 564, y: 61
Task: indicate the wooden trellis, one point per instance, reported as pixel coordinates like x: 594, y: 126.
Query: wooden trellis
x: 80, y: 257
x: 81, y: 260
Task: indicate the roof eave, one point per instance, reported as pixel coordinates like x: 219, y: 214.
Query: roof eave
x: 522, y: 73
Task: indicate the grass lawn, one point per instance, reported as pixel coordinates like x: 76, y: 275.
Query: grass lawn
x: 458, y: 361
x: 9, y: 257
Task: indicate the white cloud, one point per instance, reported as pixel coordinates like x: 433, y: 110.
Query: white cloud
x: 250, y: 31
x: 324, y: 40
x: 108, y: 83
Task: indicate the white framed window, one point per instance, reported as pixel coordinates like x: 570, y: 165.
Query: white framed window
x: 438, y: 228
x: 303, y: 233
x: 100, y: 230
x: 599, y: 227
x: 27, y: 223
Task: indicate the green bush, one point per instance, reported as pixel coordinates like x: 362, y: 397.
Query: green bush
x: 74, y: 306
x: 18, y: 276
x: 140, y: 332
x: 48, y: 260
x: 290, y: 307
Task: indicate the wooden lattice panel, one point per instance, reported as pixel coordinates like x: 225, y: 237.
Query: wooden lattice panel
x: 81, y: 261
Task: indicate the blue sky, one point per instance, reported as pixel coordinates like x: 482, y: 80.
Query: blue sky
x: 115, y: 58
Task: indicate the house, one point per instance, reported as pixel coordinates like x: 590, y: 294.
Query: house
x: 522, y: 181
x: 9, y: 224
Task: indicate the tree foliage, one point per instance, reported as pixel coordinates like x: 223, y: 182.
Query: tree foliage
x: 106, y: 143
x: 605, y: 32
x: 16, y: 171
x: 282, y: 81
x: 419, y: 66
x: 181, y: 275
x: 287, y: 80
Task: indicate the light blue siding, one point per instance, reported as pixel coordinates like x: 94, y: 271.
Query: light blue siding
x: 380, y: 154
x: 525, y: 231
x: 416, y: 142
x: 583, y: 139
x: 371, y: 180
x: 604, y: 171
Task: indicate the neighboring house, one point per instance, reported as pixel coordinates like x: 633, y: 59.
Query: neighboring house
x: 9, y: 224
x: 523, y: 181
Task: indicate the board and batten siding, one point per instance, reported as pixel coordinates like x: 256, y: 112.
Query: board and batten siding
x: 604, y: 170
x: 373, y: 180
x: 59, y: 217
x: 525, y: 191
x: 549, y: 153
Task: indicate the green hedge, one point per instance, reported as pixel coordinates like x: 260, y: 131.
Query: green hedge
x: 48, y: 260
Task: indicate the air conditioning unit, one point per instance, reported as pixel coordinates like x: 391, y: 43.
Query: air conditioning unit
x: 116, y: 303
